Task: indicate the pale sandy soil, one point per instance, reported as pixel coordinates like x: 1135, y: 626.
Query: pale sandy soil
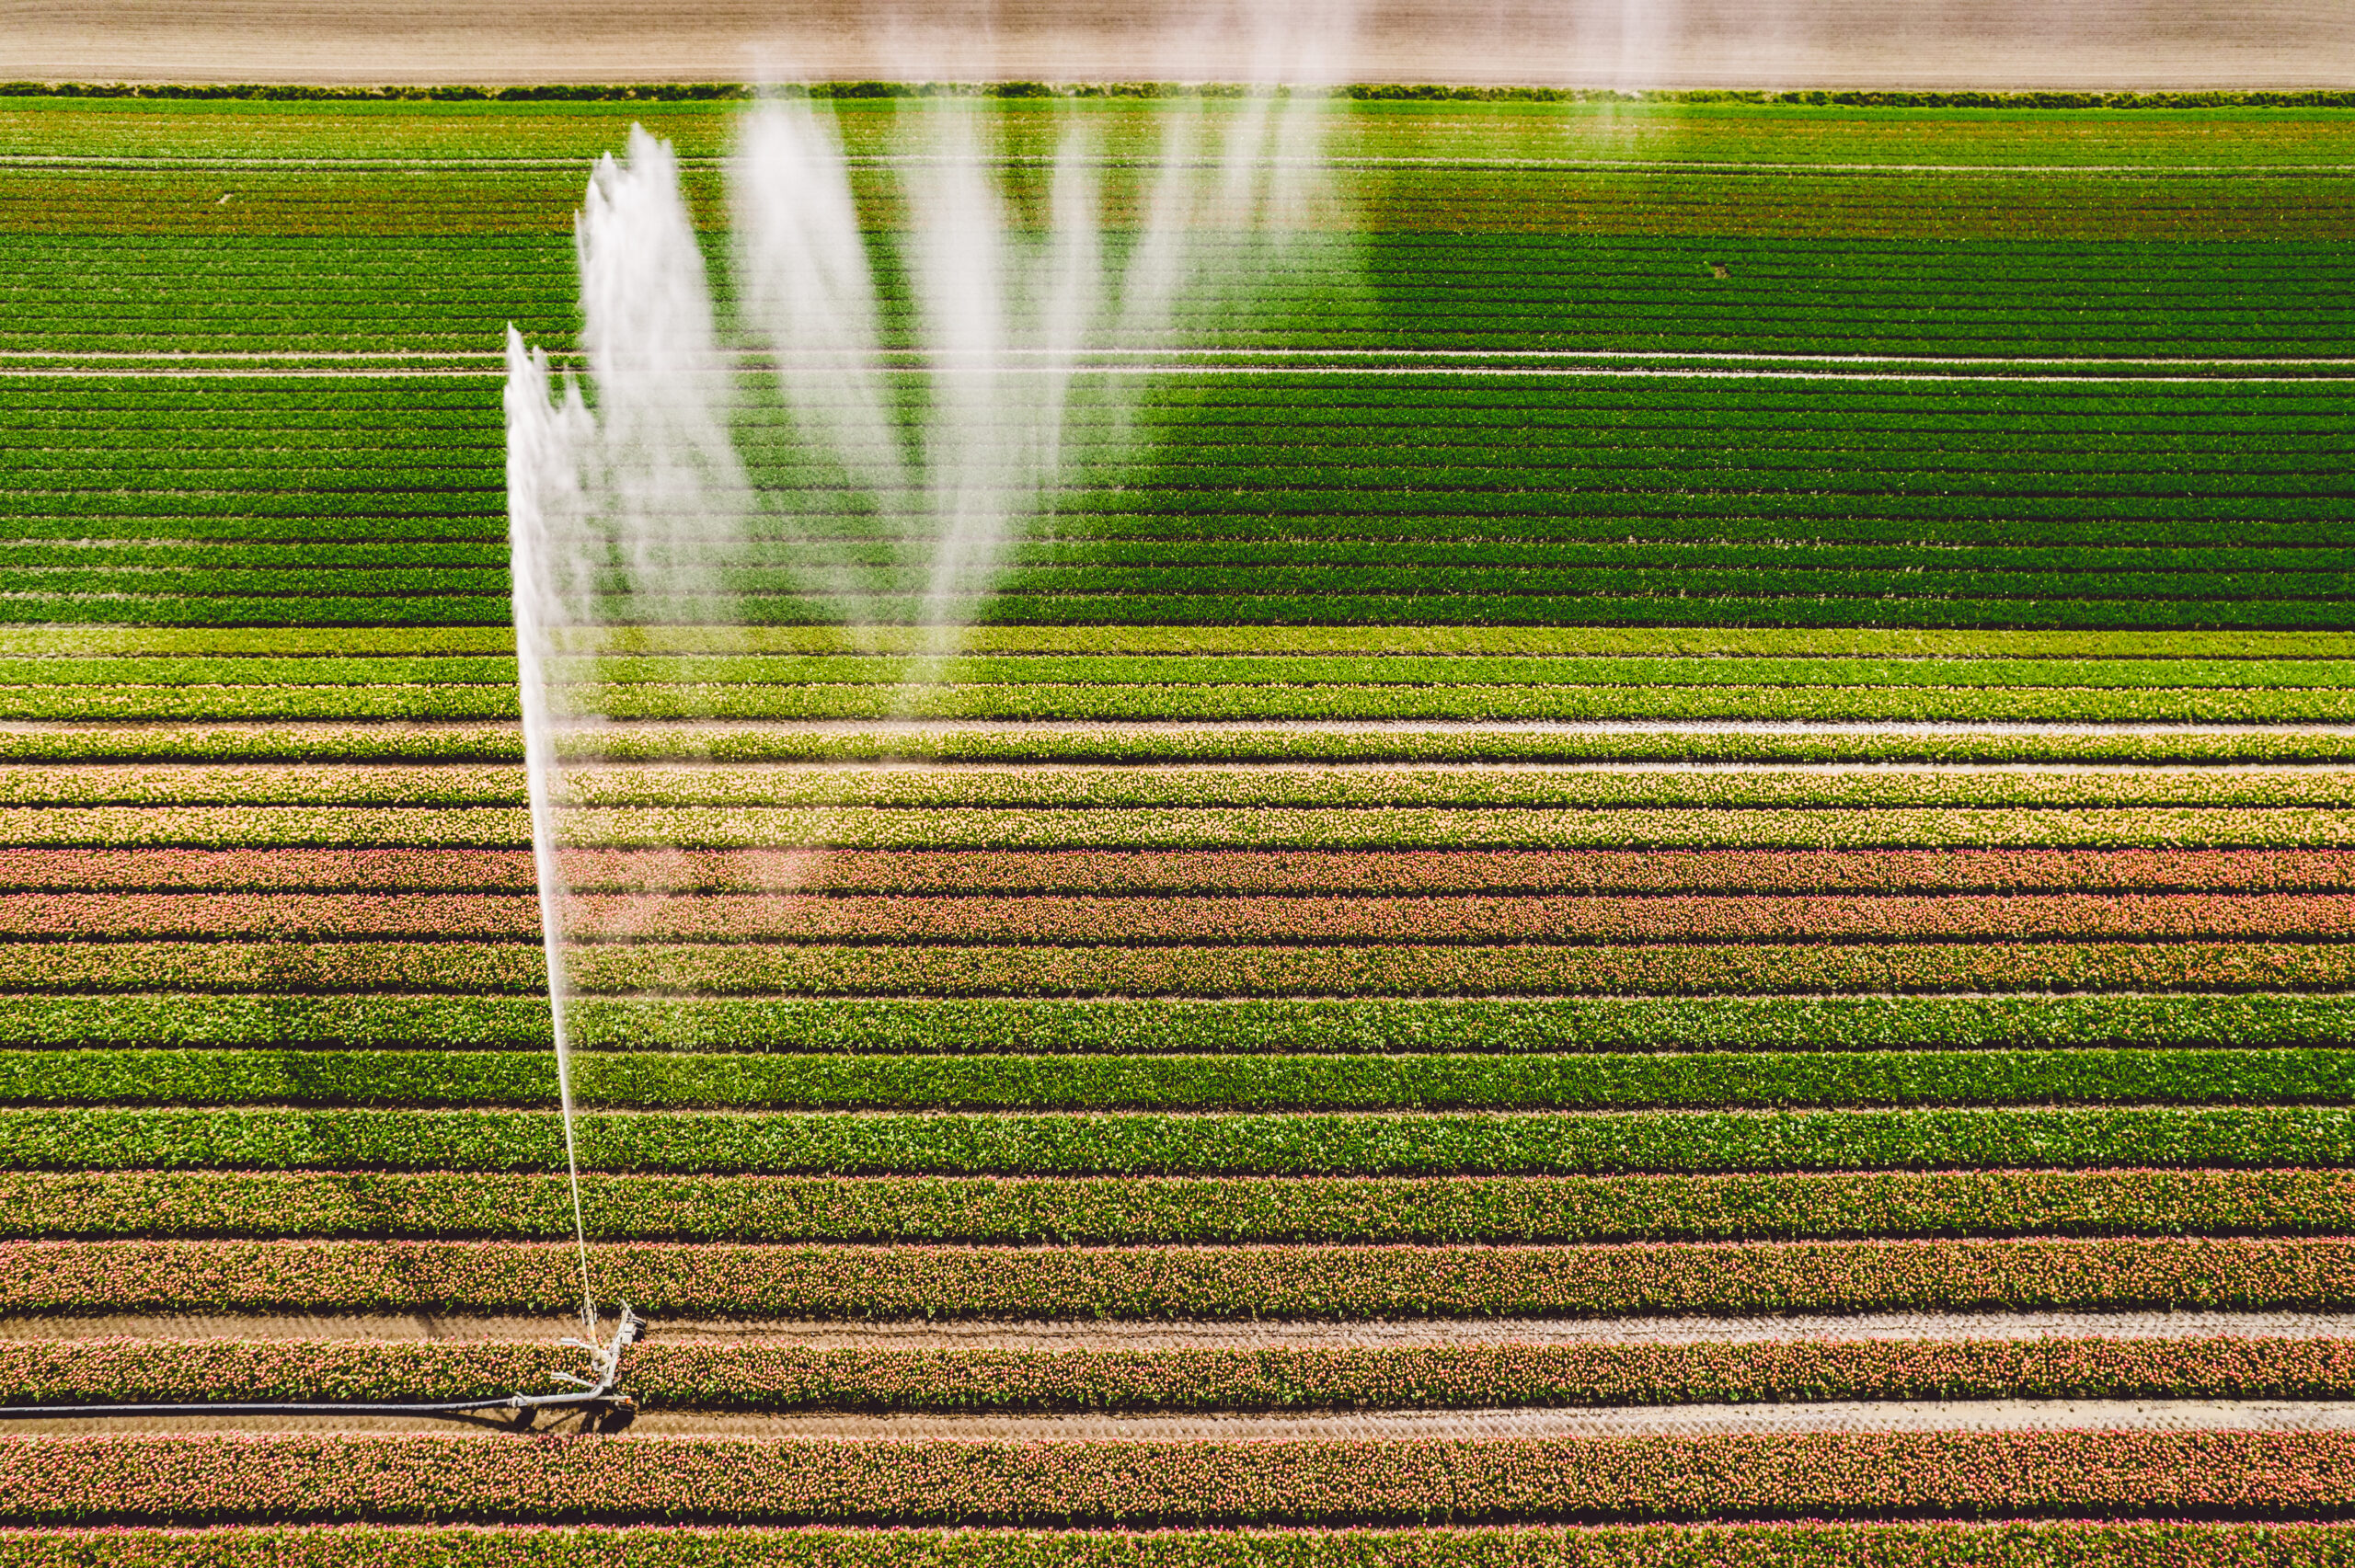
x: 1877, y: 1416
x: 1374, y: 1426
x: 2085, y: 44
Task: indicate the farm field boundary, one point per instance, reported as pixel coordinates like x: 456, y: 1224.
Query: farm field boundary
x: 1656, y: 871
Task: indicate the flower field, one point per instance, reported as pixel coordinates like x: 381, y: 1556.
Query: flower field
x: 1702, y: 775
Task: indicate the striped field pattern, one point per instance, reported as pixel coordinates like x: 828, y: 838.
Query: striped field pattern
x: 1664, y: 880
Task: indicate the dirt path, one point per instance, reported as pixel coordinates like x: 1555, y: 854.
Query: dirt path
x: 2094, y: 44
x: 1091, y: 1335
x: 1456, y: 1425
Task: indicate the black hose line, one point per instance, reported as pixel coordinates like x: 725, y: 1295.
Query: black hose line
x: 452, y: 1407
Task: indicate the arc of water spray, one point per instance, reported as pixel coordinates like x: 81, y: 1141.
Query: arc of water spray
x: 545, y: 443
x: 643, y: 503
x: 638, y: 502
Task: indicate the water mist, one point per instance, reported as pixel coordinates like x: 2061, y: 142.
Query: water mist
x: 631, y: 509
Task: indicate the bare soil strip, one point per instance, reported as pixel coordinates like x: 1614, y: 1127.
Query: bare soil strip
x: 1725, y: 43
x: 1454, y: 1426
x: 998, y: 1335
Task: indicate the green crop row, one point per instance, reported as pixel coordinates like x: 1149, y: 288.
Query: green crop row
x: 195, y: 1077
x: 1584, y: 414
x: 1442, y: 122
x: 1826, y: 203
x: 327, y: 742
x: 2077, y: 515
x: 1692, y: 521
x: 178, y: 607
x: 1131, y: 1211
x: 815, y: 969
x: 1961, y: 588
x: 1356, y: 410
x: 2174, y: 675
x: 1133, y: 1027
x: 2105, y: 654
x: 949, y: 1144
x: 1184, y: 703
x: 874, y: 552
x: 1200, y: 703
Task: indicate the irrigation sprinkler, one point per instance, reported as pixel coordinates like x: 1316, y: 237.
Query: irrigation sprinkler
x: 601, y: 1394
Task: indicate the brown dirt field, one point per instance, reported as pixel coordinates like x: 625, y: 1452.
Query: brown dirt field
x: 1990, y: 44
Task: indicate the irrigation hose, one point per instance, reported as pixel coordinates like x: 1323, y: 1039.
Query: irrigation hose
x: 453, y: 1407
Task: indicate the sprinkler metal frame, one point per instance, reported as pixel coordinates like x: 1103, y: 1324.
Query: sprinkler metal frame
x: 602, y: 1394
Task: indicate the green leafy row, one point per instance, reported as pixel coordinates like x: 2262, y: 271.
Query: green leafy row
x: 329, y: 743
x: 1143, y: 1027
x: 194, y: 1077
x: 174, y: 606
x: 1132, y: 1210
x: 1131, y: 1145
x: 175, y: 701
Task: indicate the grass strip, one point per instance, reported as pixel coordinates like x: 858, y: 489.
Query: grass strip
x: 1129, y: 1211
x: 1229, y: 872
x: 1828, y: 827
x: 333, y: 743
x: 2068, y: 1543
x: 954, y: 1144
x: 1139, y: 1027
x: 285, y: 1478
x: 198, y: 1076
x: 1232, y: 971
x: 1158, y: 1283
x: 797, y: 1378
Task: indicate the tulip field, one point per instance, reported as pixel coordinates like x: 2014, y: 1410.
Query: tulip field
x: 1659, y: 870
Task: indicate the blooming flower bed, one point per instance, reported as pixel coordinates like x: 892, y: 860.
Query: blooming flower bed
x: 291, y: 1479
x: 1173, y: 1282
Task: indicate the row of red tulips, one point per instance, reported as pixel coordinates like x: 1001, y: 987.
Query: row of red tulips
x: 287, y: 1478
x: 2070, y: 1544
x: 1724, y: 968
x: 760, y: 1375
x: 1308, y: 1281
